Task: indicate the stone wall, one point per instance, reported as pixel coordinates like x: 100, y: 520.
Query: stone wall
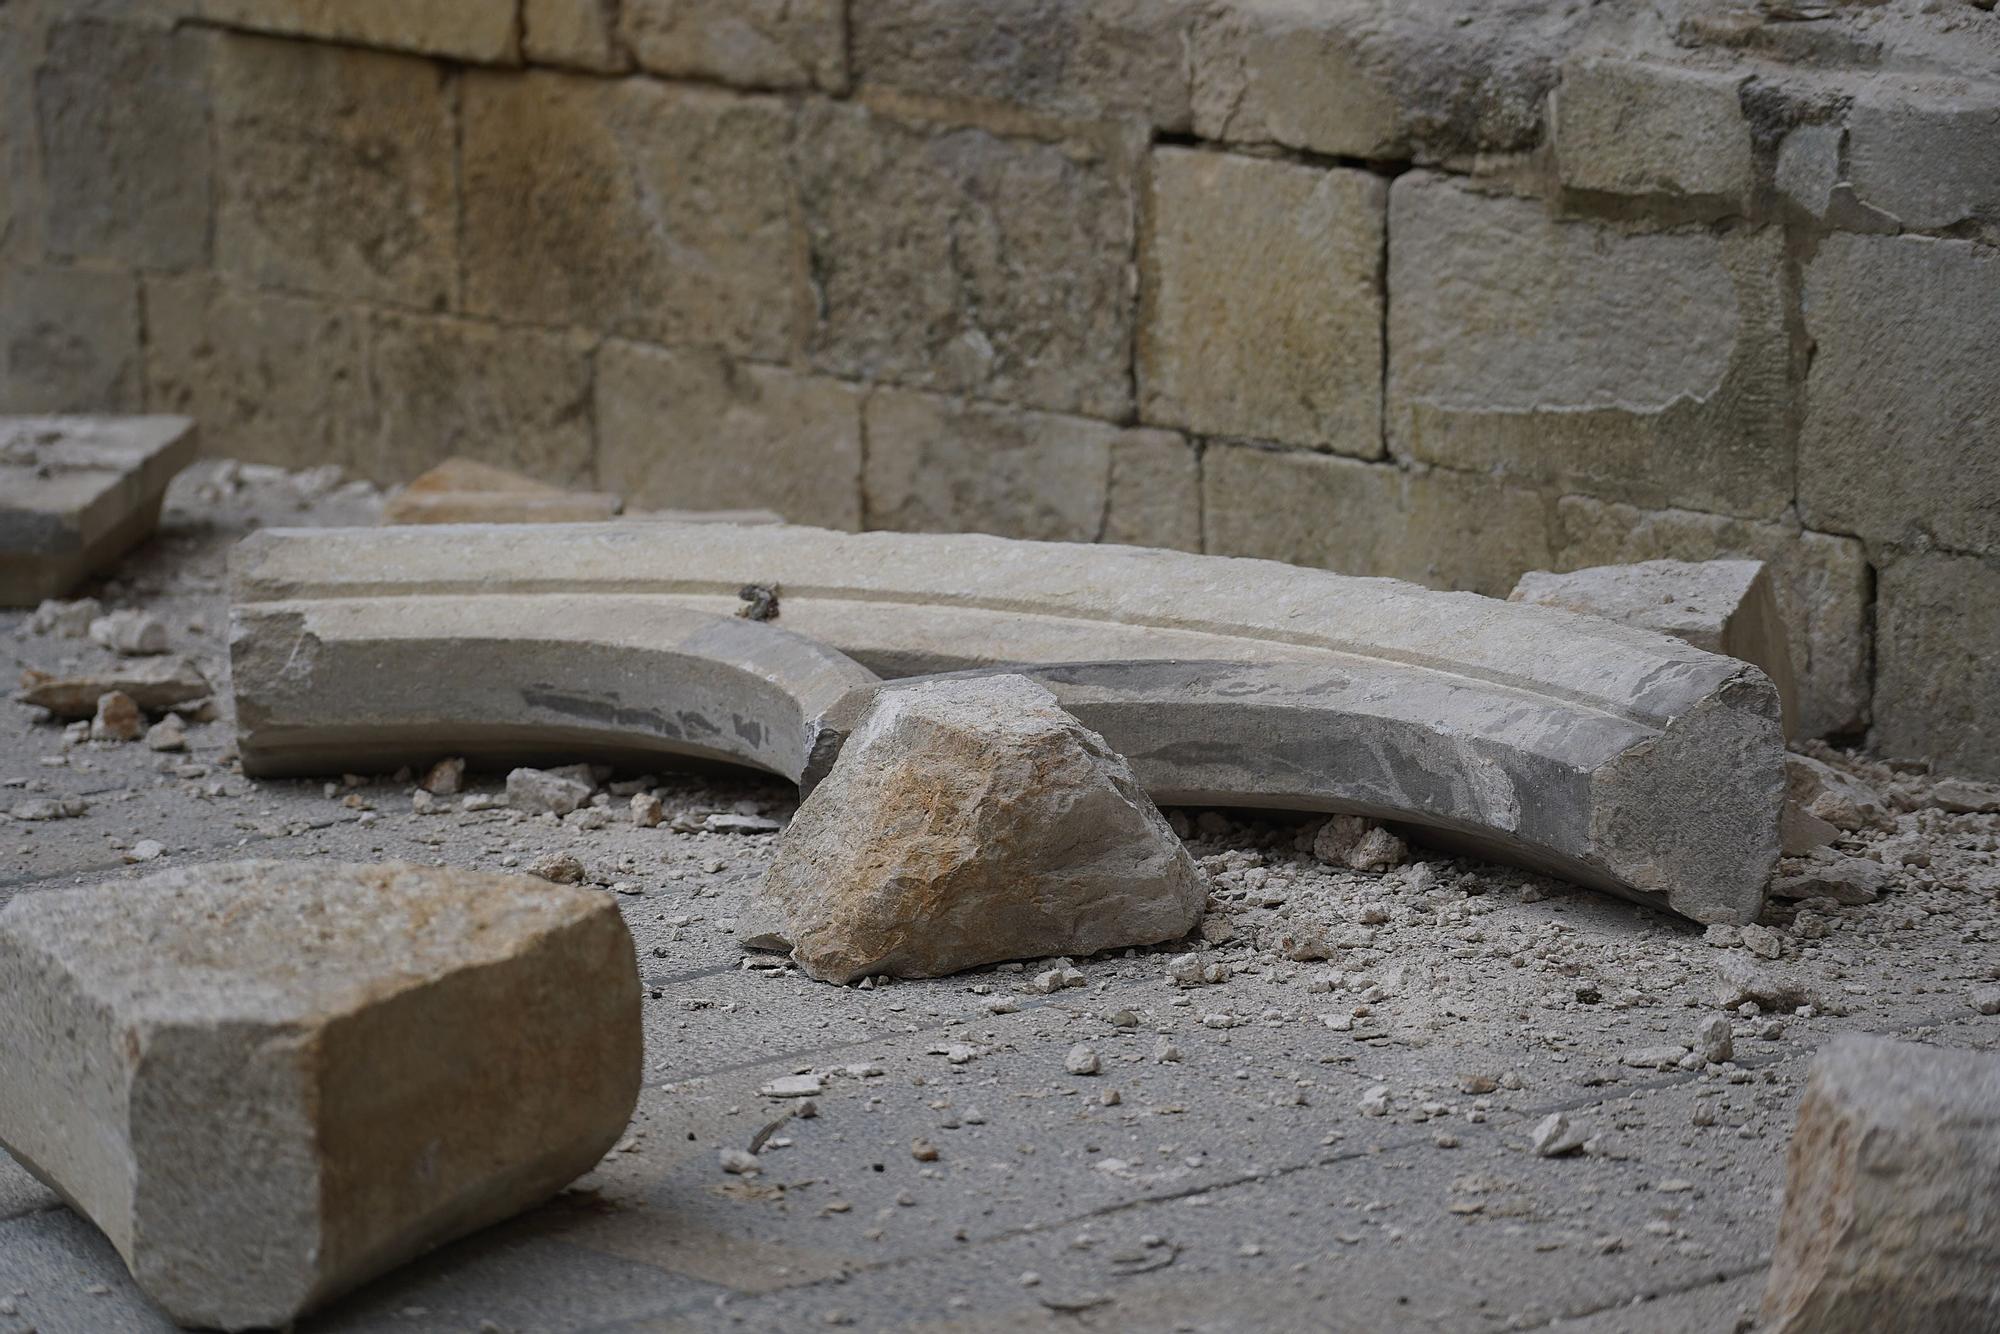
x: 1444, y: 291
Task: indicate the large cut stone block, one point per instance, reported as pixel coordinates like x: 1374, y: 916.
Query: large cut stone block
x: 1631, y: 127
x: 76, y: 493
x: 582, y: 34
x: 967, y: 822
x: 692, y: 429
x: 1937, y: 619
x: 1155, y: 498
x: 69, y: 340
x: 334, y: 171
x: 632, y: 207
x: 124, y: 135
x: 477, y: 30
x: 1890, y: 1219
x: 1262, y: 306
x: 751, y: 43
x: 1646, y: 367
x: 1899, y: 431
x: 1923, y: 152
x: 1079, y: 59
x: 268, y: 1082
x: 961, y: 261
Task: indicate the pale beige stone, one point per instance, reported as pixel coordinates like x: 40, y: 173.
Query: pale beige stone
x: 1262, y: 300
x: 967, y: 822
x: 1937, y: 619
x: 477, y: 30
x: 462, y: 490
x: 334, y: 171
x: 1652, y: 368
x: 267, y: 1082
x: 632, y: 207
x: 1635, y: 127
x: 154, y: 684
x: 579, y: 33
x: 692, y: 429
x: 69, y: 340
x: 1155, y: 498
x: 751, y: 43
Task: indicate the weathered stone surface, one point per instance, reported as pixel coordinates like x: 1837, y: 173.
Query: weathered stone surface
x: 1840, y: 799
x: 751, y: 43
x: 268, y: 1082
x: 1937, y: 620
x: 691, y: 428
x: 477, y: 30
x: 462, y: 490
x: 969, y: 822
x: 1823, y: 584
x: 1366, y: 518
x: 1615, y: 757
x: 69, y: 340
x: 945, y: 465
x: 130, y: 633
x: 334, y: 171
x: 1894, y: 448
x: 1082, y: 59
x: 271, y: 378
x: 153, y: 684
x: 1155, y: 498
x: 21, y: 189
x: 582, y: 34
x: 632, y: 207
x: 1634, y: 127
x: 1650, y: 368
x: 965, y: 262
x: 1922, y: 151
x: 1262, y: 307
x: 76, y: 493
x: 1827, y: 875
x: 1889, y: 1220
x: 1723, y: 606
x: 124, y: 136
x: 547, y: 792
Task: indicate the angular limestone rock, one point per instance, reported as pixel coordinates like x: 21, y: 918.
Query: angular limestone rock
x: 76, y: 493
x: 1719, y: 606
x: 1889, y: 1218
x: 967, y: 822
x: 153, y: 684
x: 463, y: 490
x: 268, y: 1082
x: 1818, y: 790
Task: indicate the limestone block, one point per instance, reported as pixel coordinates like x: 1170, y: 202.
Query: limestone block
x: 582, y: 34
x: 1633, y: 127
x: 69, y: 340
x: 965, y: 262
x: 943, y: 465
x: 519, y: 397
x: 1923, y: 152
x: 121, y: 110
x: 1823, y: 585
x: 1889, y: 1220
x: 475, y: 30
x: 21, y: 190
x: 1646, y: 367
x: 334, y: 171
x: 1443, y: 529
x: 1081, y: 59
x: 750, y: 43
x: 1723, y: 606
x: 462, y: 490
x: 268, y: 1082
x: 693, y: 429
x: 1262, y: 306
x: 1937, y: 619
x: 1155, y: 498
x: 969, y: 822
x: 632, y: 207
x: 76, y: 493
x: 271, y: 378
x: 1898, y: 438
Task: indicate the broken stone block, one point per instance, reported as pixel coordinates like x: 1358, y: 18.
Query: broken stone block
x: 461, y: 490
x: 1963, y: 797
x: 1721, y: 606
x: 1888, y: 1220
x: 76, y: 493
x: 155, y: 685
x: 969, y: 822
x: 268, y: 1082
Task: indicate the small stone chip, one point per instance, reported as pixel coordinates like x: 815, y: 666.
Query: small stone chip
x: 1081, y: 1060
x: 793, y: 1086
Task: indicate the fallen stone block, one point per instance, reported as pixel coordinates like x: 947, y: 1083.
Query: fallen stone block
x: 154, y: 684
x: 1611, y: 756
x: 463, y: 490
x: 1889, y: 1219
x: 1720, y: 606
x: 967, y: 823
x: 76, y: 493
x: 268, y: 1082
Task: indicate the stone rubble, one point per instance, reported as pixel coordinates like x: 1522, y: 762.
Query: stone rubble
x: 154, y: 684
x: 117, y: 718
x: 131, y: 634
x: 549, y: 792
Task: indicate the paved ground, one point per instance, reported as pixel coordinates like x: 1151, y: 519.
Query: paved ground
x: 1241, y: 1185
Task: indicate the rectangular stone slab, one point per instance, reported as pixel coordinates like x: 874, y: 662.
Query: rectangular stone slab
x: 76, y: 493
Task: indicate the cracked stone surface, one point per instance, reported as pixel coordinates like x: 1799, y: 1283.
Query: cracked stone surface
x: 1236, y: 1183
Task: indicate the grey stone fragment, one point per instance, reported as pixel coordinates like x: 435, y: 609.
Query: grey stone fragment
x: 1888, y: 1220
x: 1849, y: 880
x: 268, y: 1082
x: 968, y: 822
x: 154, y: 684
x: 131, y: 634
x: 1715, y: 1039
x: 1842, y: 800
x: 539, y: 792
x: 77, y: 492
x: 1965, y: 797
